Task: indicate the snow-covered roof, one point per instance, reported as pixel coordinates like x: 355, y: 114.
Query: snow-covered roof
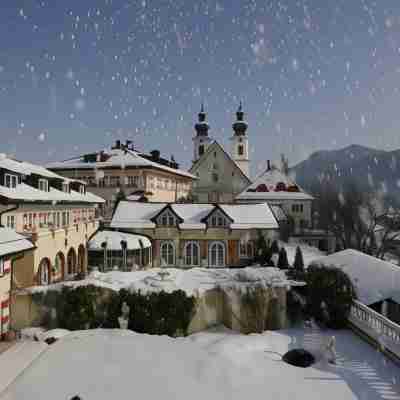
x: 130, y: 215
x: 192, y: 214
x: 12, y: 242
x: 375, y: 280
x: 114, y: 239
x: 265, y: 188
x: 214, y: 364
x: 26, y: 193
x: 246, y: 216
x: 120, y: 158
x: 280, y: 215
x: 25, y: 168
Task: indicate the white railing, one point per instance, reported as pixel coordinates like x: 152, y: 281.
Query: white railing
x: 385, y: 332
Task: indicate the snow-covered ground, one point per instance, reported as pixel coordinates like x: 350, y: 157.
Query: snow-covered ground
x: 216, y: 364
x: 192, y: 281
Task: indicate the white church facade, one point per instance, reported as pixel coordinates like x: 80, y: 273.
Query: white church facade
x: 221, y: 176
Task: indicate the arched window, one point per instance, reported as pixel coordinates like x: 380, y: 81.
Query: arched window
x: 240, y: 150
x: 44, y: 272
x: 216, y: 255
x: 71, y: 262
x: 167, y: 252
x: 81, y: 258
x: 201, y: 150
x: 192, y: 254
x: 59, y: 265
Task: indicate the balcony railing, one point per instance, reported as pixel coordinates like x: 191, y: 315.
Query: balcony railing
x: 383, y: 331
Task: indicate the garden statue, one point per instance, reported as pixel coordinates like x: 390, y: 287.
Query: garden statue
x: 123, y: 320
x: 331, y: 350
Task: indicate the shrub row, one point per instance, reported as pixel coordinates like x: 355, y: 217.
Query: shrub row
x: 90, y: 307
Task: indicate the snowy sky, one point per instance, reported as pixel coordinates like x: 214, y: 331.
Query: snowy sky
x: 76, y: 75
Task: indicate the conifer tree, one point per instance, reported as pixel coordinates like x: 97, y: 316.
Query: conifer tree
x: 282, y: 260
x: 298, y: 260
x: 274, y: 247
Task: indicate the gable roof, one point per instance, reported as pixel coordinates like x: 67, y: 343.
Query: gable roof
x: 164, y: 209
x: 133, y: 215
x: 270, y: 178
x: 216, y: 146
x: 117, y: 158
x: 217, y: 208
x: 374, y: 279
x: 11, y: 242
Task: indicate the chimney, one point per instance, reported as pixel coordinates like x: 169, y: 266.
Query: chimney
x: 155, y: 155
x: 268, y: 165
x: 128, y: 144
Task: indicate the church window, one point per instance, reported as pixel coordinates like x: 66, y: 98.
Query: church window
x: 240, y: 150
x: 201, y: 150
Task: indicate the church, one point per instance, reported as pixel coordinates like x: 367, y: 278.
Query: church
x: 221, y: 176
x: 224, y: 177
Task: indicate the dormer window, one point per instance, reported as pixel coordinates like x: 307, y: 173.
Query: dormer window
x: 65, y: 187
x: 44, y: 185
x: 218, y: 220
x: 10, y: 181
x: 167, y: 219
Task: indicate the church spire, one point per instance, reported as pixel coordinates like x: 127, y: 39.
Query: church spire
x: 202, y: 126
x: 240, y: 126
x: 201, y: 140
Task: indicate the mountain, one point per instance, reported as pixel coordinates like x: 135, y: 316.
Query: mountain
x: 370, y: 169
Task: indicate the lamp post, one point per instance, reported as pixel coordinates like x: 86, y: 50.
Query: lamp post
x: 104, y: 246
x: 124, y: 246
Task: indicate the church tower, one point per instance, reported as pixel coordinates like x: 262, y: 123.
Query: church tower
x: 240, y: 143
x: 201, y: 140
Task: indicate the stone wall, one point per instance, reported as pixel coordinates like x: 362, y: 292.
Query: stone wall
x: 217, y: 306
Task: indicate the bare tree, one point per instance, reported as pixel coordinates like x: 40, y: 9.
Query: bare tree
x: 358, y: 219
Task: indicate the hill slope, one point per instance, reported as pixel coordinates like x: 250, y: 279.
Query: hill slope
x: 369, y: 168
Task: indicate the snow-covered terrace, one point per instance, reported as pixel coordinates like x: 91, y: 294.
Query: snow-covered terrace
x: 194, y: 281
x: 215, y: 364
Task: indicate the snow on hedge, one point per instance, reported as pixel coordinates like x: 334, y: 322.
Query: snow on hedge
x: 192, y: 281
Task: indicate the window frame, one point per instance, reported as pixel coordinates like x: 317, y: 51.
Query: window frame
x: 11, y: 221
x: 170, y: 248
x: 217, y: 245
x: 189, y: 254
x: 13, y: 181
x: 44, y: 182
